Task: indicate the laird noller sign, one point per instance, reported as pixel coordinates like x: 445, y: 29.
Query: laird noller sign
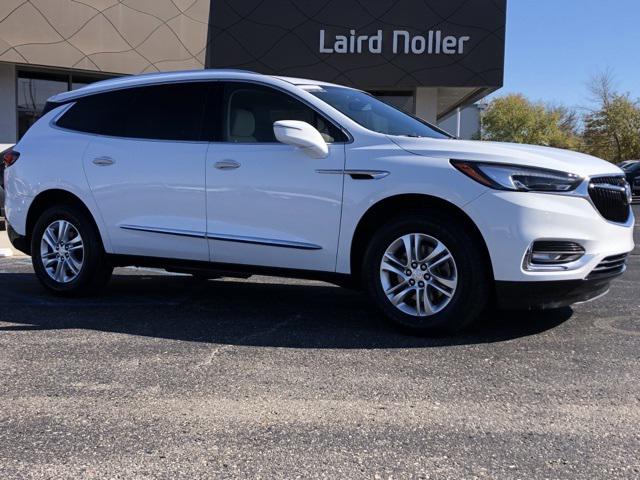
x: 401, y: 42
x: 373, y: 44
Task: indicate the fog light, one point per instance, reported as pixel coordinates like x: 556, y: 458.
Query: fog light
x: 552, y: 255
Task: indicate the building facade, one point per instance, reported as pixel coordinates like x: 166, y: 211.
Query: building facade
x: 465, y: 123
x: 429, y: 57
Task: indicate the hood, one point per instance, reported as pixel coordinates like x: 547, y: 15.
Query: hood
x: 512, y: 153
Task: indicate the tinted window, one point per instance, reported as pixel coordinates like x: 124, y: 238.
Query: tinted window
x: 214, y: 114
x: 375, y: 115
x: 251, y: 111
x: 167, y: 112
x: 103, y: 114
x: 162, y: 112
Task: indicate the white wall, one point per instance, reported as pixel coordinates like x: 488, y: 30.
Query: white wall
x: 8, y: 115
x: 427, y: 103
x: 469, y: 123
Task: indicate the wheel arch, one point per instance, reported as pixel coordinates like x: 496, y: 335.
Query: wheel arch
x: 49, y: 198
x: 383, y: 210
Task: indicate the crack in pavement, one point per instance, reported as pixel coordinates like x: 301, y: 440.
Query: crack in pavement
x: 242, y: 340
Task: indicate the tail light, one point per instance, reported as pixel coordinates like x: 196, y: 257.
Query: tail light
x: 10, y: 157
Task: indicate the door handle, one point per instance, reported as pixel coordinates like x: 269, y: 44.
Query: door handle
x: 226, y: 165
x: 103, y: 161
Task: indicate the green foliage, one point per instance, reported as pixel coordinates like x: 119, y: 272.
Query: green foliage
x: 612, y: 131
x: 513, y: 118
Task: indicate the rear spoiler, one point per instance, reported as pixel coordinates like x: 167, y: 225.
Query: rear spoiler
x: 51, y: 105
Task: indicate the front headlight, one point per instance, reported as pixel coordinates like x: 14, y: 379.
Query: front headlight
x: 516, y: 178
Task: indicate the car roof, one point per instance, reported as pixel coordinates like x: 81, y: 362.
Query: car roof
x: 307, y: 82
x: 178, y: 76
x: 633, y: 166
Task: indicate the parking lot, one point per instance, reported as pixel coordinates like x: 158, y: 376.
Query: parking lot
x: 168, y: 377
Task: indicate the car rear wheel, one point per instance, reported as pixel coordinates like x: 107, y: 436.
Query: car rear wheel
x: 427, y: 273
x: 67, y: 253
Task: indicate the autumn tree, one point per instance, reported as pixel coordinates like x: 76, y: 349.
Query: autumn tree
x: 513, y: 118
x: 612, y: 128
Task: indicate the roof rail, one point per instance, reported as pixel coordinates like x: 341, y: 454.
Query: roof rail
x: 150, y: 78
x: 234, y: 70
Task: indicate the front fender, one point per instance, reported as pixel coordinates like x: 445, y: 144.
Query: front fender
x: 409, y: 174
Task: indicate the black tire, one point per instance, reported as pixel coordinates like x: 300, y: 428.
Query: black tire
x: 472, y: 292
x: 95, y: 271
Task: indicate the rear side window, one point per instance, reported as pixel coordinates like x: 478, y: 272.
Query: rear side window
x: 159, y: 112
x: 103, y: 114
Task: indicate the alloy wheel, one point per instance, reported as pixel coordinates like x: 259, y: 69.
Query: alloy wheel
x: 62, y: 251
x: 418, y: 275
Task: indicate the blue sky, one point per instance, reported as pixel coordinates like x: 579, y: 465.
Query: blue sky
x: 554, y: 46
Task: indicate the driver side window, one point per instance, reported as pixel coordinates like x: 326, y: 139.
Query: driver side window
x: 251, y: 111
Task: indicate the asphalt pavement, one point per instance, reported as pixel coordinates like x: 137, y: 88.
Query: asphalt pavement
x: 167, y: 377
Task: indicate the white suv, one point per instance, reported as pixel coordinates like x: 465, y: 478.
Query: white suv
x: 234, y: 173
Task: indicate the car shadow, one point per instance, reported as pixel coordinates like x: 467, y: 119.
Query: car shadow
x: 252, y: 313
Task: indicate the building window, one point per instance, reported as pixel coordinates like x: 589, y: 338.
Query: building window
x: 35, y: 87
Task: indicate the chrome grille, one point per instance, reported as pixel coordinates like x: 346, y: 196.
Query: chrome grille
x: 611, y: 265
x: 610, y: 195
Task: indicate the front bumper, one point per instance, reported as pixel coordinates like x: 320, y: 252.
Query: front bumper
x: 547, y: 295
x: 511, y: 221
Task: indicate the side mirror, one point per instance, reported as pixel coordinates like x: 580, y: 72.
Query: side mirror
x: 302, y: 135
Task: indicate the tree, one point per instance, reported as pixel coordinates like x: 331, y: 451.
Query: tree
x: 513, y: 118
x: 612, y: 129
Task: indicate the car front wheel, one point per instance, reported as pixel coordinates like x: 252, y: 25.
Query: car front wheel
x: 427, y: 273
x: 67, y: 253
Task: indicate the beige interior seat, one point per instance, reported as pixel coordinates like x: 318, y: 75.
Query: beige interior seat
x: 243, y: 126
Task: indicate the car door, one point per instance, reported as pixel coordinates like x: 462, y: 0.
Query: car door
x: 270, y: 204
x: 147, y: 173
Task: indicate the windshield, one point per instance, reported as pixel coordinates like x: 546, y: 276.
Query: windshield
x: 631, y: 167
x: 374, y: 114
